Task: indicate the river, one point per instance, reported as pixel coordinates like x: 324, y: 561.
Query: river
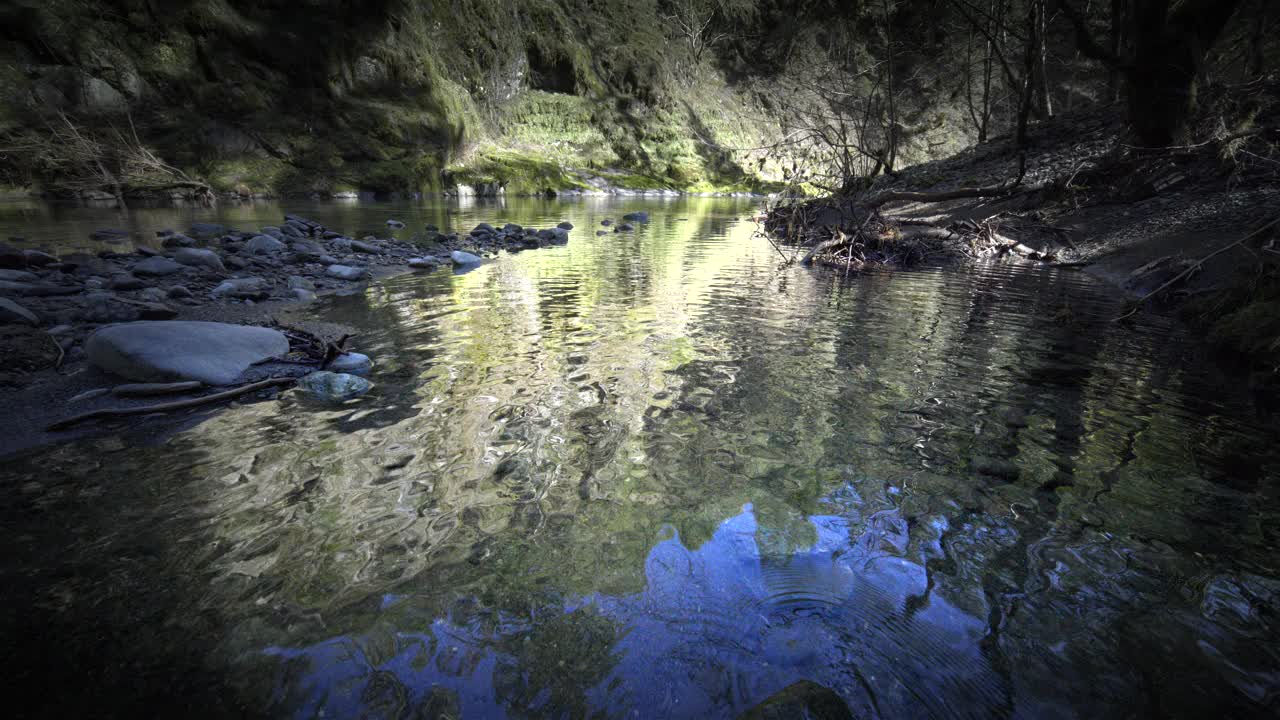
x: 657, y: 474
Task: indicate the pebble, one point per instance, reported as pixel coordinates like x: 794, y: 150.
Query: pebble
x: 352, y: 363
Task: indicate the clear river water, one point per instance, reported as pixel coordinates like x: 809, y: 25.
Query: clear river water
x: 657, y: 474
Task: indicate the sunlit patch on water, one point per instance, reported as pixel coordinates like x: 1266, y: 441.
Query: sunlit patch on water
x: 657, y: 474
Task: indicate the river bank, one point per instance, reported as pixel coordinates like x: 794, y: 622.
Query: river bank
x: 1183, y: 229
x: 210, y: 273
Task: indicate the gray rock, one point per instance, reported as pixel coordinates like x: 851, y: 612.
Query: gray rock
x: 464, y: 258
x: 153, y: 294
x: 333, y: 387
x: 624, y: 227
x: 100, y: 307
x: 18, y: 276
x: 273, y: 231
x: 395, y: 224
x: 641, y: 216
x: 606, y: 222
x: 482, y: 229
x: 38, y: 259
x: 156, y: 311
x: 352, y: 363
x: 304, y: 295
x: 177, y: 240
x: 239, y: 287
x: 297, y: 282
x: 601, y: 232
x: 179, y: 292
x: 37, y: 289
x: 213, y: 353
x: 12, y: 257
x: 195, y: 257
x: 566, y: 225
x: 345, y: 272
x: 364, y: 247
x: 12, y: 312
x: 431, y: 228
x: 263, y: 244
x: 145, y: 251
x: 421, y: 263
x: 512, y: 228
x: 125, y: 281
x: 156, y: 266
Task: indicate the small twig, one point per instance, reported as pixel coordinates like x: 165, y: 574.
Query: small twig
x: 57, y: 365
x: 169, y: 406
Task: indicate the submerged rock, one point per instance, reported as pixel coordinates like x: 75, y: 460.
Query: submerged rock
x: 641, y: 216
x: 395, y: 224
x: 168, y: 350
x: 345, y: 272
x: 352, y: 363
x: 422, y: 263
x: 334, y: 387
x: 464, y: 258
x: 566, y: 225
x: 207, y: 229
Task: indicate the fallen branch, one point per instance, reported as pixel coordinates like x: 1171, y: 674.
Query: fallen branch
x: 170, y: 406
x: 1196, y: 266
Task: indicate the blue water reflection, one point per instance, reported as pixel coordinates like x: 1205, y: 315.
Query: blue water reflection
x: 717, y: 629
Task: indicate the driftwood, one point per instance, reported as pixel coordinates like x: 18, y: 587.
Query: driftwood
x: 170, y: 406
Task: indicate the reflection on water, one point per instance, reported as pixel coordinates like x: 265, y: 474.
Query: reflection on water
x: 656, y: 475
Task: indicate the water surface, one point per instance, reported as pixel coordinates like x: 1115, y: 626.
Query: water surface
x: 658, y: 475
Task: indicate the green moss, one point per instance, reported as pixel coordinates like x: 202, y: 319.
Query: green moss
x: 520, y: 173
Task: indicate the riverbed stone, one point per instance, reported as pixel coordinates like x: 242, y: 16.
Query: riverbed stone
x: 640, y: 216
x: 303, y: 295
x: 158, y: 266
x: 345, y: 272
x: 196, y: 257
x: 364, y: 247
x: 12, y: 312
x: 333, y: 387
x: 179, y: 292
x: 464, y: 258
x: 175, y: 350
x: 566, y: 225
x: 422, y: 263
x: 395, y: 224
x: 263, y: 244
x: 18, y: 276
x: 35, y: 258
x: 12, y: 257
x: 37, y: 289
x: 239, y: 287
x: 178, y: 240
x: 352, y: 363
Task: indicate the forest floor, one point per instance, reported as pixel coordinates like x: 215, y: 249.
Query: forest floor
x: 1183, y: 229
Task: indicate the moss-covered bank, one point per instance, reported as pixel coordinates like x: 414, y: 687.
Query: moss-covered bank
x: 385, y: 96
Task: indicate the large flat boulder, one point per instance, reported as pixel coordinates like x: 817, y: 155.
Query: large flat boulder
x: 175, y: 350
